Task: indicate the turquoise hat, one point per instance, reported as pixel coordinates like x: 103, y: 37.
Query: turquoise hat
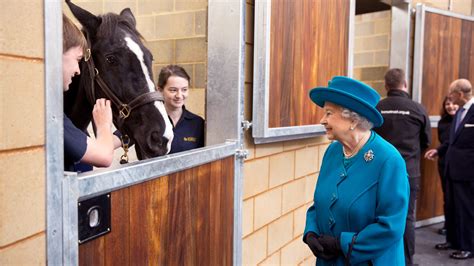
x: 351, y: 94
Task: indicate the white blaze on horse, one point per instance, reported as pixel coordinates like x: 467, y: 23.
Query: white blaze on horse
x: 118, y: 67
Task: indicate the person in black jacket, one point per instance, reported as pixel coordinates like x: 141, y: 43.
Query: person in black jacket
x: 407, y: 127
x: 444, y: 124
x: 188, y: 128
x: 459, y: 160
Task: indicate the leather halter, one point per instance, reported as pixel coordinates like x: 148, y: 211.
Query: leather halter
x: 124, y: 108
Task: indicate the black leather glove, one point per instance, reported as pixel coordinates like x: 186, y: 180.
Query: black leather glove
x: 331, y: 246
x: 313, y: 243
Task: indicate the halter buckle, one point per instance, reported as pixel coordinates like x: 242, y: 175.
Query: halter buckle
x: 87, y: 56
x: 125, y: 142
x: 124, y: 159
x: 124, y: 111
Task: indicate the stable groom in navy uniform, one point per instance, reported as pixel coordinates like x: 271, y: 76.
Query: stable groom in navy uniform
x: 459, y: 174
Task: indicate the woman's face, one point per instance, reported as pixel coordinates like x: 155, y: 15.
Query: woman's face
x: 175, y: 92
x: 450, y: 107
x: 71, y: 60
x: 336, y: 125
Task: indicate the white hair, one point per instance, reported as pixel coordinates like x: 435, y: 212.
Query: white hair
x: 362, y: 122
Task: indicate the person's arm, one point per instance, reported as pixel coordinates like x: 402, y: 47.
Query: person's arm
x: 425, y: 136
x: 118, y: 139
x: 443, y: 147
x: 311, y: 213
x: 117, y: 142
x: 100, y: 151
x: 431, y: 154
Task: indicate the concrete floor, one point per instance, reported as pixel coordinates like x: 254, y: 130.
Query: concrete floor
x: 426, y: 254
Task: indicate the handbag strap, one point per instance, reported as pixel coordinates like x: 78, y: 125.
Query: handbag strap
x: 349, y: 252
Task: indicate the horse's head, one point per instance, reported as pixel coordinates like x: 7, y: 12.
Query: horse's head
x: 124, y: 66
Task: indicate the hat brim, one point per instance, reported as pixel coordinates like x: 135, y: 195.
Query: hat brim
x: 320, y: 95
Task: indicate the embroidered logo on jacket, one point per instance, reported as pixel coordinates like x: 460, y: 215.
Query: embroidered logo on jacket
x: 395, y: 112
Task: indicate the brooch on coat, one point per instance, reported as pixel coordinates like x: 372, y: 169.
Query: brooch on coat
x: 369, y: 156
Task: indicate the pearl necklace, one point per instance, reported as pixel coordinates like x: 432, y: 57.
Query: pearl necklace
x: 356, y: 148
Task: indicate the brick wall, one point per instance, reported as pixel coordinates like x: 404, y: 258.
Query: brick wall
x: 372, y: 48
x: 22, y: 152
x: 279, y: 181
x: 177, y: 35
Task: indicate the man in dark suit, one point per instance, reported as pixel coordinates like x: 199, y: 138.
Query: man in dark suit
x: 407, y: 127
x: 459, y: 154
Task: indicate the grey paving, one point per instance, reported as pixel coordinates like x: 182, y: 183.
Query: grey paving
x: 426, y: 254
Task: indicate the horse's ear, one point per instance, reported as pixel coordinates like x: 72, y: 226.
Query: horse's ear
x: 89, y: 21
x: 128, y: 15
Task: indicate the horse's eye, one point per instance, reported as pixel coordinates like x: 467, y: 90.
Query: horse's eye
x: 111, y: 60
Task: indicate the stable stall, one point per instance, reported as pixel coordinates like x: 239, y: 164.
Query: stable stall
x: 183, y: 208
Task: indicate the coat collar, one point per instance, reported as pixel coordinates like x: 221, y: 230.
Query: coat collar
x: 397, y: 92
x: 185, y: 115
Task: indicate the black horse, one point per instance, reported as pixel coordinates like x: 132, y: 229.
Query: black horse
x: 118, y: 67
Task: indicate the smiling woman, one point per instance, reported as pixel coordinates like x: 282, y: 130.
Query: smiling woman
x: 188, y: 128
x: 361, y: 196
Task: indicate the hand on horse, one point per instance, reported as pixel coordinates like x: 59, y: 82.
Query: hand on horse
x: 102, y: 114
x: 316, y: 247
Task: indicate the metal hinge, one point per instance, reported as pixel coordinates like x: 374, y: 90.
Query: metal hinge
x: 242, y: 153
x: 246, y: 125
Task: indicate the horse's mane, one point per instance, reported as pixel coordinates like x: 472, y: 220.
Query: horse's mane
x: 109, y: 24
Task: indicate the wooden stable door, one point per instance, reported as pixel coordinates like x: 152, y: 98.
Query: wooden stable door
x: 182, y: 219
x: 430, y: 200
x: 448, y: 54
x: 308, y: 46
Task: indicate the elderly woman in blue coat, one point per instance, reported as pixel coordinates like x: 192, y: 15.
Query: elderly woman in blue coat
x: 361, y: 197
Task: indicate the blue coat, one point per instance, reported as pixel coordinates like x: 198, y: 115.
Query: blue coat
x: 370, y: 199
